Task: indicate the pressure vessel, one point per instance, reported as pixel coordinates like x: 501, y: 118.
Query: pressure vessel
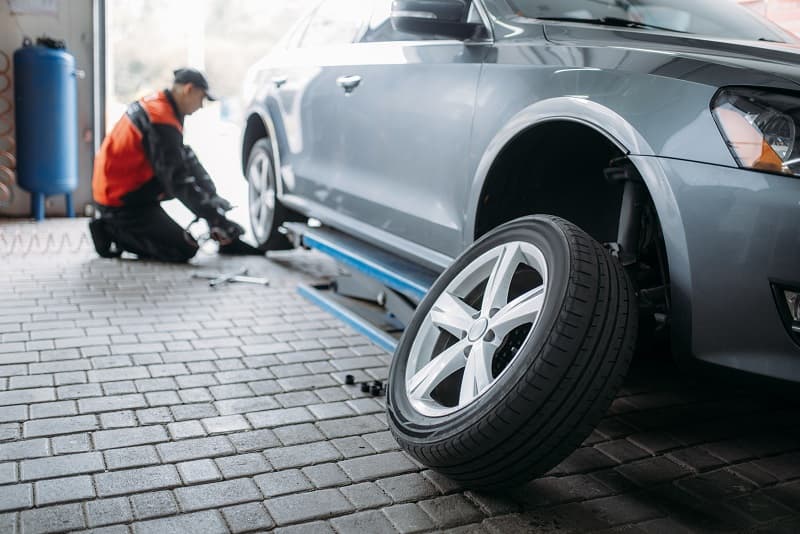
x: 46, y: 122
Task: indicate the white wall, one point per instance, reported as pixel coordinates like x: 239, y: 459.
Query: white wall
x: 73, y: 24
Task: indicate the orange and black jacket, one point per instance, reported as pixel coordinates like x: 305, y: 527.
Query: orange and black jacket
x: 141, y: 160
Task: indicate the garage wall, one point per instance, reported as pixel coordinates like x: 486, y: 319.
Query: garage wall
x: 72, y: 23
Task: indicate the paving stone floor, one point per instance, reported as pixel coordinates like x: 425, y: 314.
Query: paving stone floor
x: 134, y: 398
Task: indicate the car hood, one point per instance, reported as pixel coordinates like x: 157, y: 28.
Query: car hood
x: 780, y: 61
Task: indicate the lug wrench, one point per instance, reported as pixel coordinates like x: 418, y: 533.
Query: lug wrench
x: 216, y: 279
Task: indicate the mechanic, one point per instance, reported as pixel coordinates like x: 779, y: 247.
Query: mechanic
x: 142, y: 162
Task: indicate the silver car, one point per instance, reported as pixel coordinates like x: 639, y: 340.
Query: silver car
x: 586, y: 175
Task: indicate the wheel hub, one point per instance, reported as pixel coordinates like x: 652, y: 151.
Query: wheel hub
x: 477, y: 330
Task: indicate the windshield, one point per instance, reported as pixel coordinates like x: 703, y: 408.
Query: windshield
x: 717, y: 18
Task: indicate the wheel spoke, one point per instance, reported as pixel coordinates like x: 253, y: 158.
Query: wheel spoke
x: 431, y: 375
x: 265, y: 173
x: 452, y: 314
x: 523, y: 309
x: 255, y: 191
x: 261, y: 214
x: 496, y: 294
x: 251, y: 175
x: 255, y: 176
x: 477, y: 372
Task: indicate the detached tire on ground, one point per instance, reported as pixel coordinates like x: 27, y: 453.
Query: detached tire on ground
x: 267, y: 213
x: 514, y: 355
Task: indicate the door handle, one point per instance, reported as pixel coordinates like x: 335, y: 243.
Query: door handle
x: 279, y: 81
x: 348, y: 83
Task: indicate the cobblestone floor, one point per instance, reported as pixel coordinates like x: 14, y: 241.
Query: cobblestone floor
x: 134, y: 398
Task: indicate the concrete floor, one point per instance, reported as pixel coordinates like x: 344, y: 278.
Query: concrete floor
x: 135, y: 398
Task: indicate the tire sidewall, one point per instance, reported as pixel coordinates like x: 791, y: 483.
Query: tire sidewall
x: 540, y: 231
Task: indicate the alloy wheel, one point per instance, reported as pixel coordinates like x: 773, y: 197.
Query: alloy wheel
x: 261, y: 177
x: 475, y: 328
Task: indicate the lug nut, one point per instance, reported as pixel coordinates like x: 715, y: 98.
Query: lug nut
x: 349, y: 380
x: 365, y: 387
x: 376, y: 391
x: 378, y: 383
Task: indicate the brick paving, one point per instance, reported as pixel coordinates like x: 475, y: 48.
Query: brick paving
x: 134, y: 398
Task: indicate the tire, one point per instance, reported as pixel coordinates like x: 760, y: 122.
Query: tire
x: 267, y: 214
x: 537, y: 381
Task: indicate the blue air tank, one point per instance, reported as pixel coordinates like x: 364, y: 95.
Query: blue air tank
x: 46, y: 122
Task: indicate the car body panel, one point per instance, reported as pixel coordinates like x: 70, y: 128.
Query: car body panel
x: 440, y: 78
x: 731, y: 232
x: 375, y: 163
x: 764, y: 63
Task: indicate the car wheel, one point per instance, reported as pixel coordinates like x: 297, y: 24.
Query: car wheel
x: 267, y: 214
x: 514, y: 355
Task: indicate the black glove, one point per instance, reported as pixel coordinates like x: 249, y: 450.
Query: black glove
x: 224, y: 231
x: 220, y: 204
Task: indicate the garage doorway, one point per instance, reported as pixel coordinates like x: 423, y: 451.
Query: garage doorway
x: 146, y: 39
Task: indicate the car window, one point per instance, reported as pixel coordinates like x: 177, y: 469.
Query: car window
x: 380, y: 25
x: 335, y: 22
x: 717, y: 18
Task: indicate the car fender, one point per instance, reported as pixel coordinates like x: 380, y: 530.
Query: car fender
x: 272, y: 132
x: 631, y: 142
x: 568, y: 108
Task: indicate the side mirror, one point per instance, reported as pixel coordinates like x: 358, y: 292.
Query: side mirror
x: 434, y: 17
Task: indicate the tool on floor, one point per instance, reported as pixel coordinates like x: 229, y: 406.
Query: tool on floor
x: 216, y: 279
x: 377, y: 388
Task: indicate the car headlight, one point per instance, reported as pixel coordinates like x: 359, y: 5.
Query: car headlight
x: 760, y: 128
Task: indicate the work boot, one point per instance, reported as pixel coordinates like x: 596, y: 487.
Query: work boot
x: 103, y: 243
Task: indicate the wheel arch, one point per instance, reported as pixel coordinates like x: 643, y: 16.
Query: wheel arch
x: 259, y: 125
x: 599, y: 122
x: 541, y: 114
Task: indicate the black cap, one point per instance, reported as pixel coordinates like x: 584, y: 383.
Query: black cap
x: 194, y: 77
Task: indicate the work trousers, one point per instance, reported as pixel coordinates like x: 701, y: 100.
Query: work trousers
x: 146, y: 231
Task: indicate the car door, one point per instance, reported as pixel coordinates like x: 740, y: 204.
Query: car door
x: 304, y: 80
x: 404, y: 130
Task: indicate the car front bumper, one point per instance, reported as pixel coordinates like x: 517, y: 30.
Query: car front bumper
x: 731, y: 234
